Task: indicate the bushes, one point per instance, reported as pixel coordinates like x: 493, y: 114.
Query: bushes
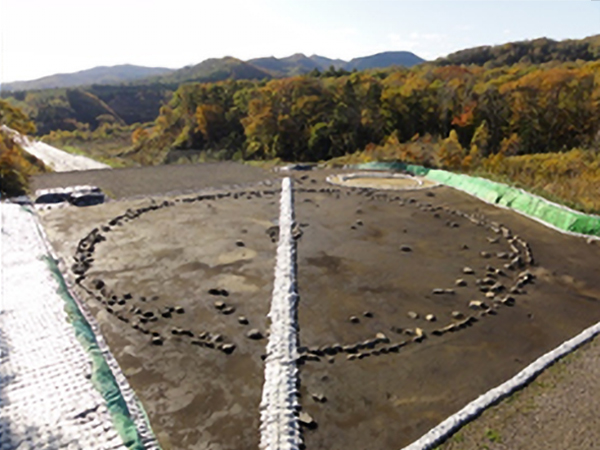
x: 16, y: 166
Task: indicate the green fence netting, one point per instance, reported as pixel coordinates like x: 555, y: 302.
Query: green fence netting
x: 102, y: 376
x: 510, y: 197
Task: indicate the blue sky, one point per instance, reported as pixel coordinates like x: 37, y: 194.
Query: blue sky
x: 42, y: 37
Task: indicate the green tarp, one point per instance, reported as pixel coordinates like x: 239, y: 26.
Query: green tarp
x: 501, y: 194
x: 102, y: 376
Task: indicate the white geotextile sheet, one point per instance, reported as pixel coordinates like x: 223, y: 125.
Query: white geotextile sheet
x: 47, y: 400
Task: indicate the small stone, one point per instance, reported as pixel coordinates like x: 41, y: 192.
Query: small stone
x: 254, y: 334
x: 382, y: 337
x: 227, y: 348
x: 485, y: 254
x: 490, y: 295
x: 476, y: 304
x: 240, y: 243
x: 359, y: 223
x: 508, y: 300
x: 368, y: 314
x: 457, y: 315
x: 438, y: 291
x: 412, y: 315
x: 179, y: 310
x: 217, y: 338
x: 406, y: 248
x: 460, y: 282
x: 449, y: 291
x: 468, y: 270
x: 220, y: 304
x: 306, y: 420
x: 354, y: 319
x: 430, y: 318
x: 243, y: 320
x: 228, y: 310
x: 320, y: 398
x: 214, y: 291
x: 98, y: 284
x: 157, y: 340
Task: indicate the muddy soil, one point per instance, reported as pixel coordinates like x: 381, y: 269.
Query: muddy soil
x: 158, y: 180
x: 377, y: 257
x: 155, y: 284
x: 354, y: 260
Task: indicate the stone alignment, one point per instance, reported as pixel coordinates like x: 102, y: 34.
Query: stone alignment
x: 279, y: 406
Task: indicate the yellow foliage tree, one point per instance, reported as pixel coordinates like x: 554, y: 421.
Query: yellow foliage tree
x: 451, y: 154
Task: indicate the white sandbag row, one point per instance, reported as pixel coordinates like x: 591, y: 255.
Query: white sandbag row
x: 449, y: 426
x: 279, y: 407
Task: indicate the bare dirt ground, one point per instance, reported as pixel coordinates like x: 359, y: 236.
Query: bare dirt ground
x: 376, y: 257
x: 558, y: 410
x: 158, y: 180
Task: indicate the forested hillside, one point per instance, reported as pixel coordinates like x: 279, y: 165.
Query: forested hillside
x: 537, y: 51
x: 519, y: 109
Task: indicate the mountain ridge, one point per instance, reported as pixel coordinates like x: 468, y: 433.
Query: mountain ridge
x: 95, y: 75
x: 213, y: 69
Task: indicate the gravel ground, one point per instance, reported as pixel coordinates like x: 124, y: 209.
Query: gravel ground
x: 558, y: 410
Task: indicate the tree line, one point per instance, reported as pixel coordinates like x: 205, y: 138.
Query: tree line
x: 515, y: 110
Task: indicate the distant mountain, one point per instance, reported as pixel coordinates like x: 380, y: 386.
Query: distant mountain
x: 299, y: 64
x: 537, y: 51
x: 97, y: 75
x: 385, y: 59
x: 326, y: 63
x: 215, y: 69
x: 296, y: 64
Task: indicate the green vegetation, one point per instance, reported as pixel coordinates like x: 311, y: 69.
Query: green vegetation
x: 16, y: 165
x: 526, y: 113
x: 538, y: 51
x: 472, y: 113
x: 493, y: 436
x: 107, y: 143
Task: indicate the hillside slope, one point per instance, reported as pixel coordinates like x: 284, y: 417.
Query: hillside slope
x: 385, y: 59
x: 97, y: 75
x: 537, y: 51
x: 216, y: 69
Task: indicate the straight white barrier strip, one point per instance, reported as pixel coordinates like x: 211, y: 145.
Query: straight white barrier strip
x: 279, y: 426
x: 445, y: 429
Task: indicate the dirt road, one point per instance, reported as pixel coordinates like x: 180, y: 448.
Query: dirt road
x: 57, y: 160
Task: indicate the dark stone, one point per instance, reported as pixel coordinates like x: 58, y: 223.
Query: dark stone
x: 254, y: 334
